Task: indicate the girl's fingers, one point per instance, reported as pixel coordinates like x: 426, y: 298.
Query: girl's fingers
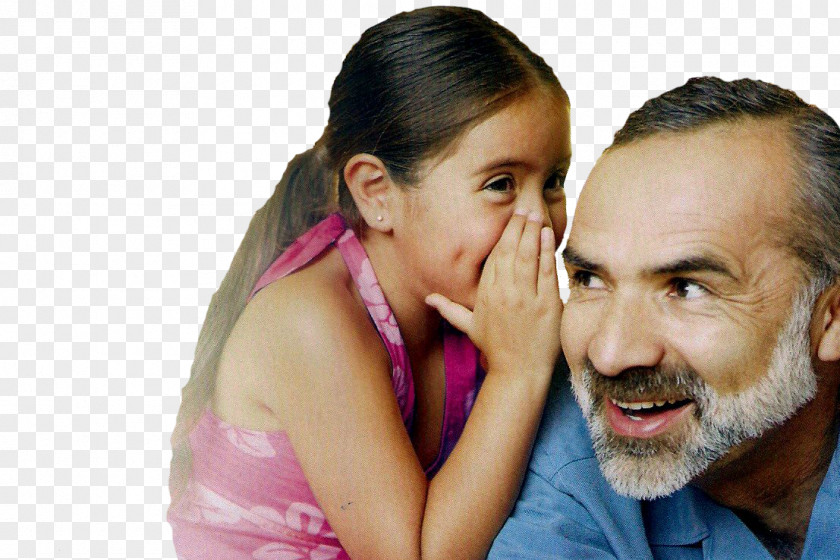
x: 528, y: 252
x: 547, y: 280
x: 457, y: 315
x: 508, y: 243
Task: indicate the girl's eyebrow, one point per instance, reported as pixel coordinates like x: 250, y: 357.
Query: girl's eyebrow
x: 502, y: 162
x: 562, y: 164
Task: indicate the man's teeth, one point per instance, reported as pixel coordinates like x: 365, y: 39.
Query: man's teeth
x: 643, y: 404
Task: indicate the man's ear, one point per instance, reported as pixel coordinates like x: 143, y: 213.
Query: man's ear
x: 828, y: 347
x: 372, y: 190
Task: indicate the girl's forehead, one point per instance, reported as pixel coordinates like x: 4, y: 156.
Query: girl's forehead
x: 533, y: 130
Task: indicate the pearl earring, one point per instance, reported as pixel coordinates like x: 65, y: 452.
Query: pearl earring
x: 379, y: 218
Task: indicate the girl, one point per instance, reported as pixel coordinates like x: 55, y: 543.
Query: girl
x: 328, y: 392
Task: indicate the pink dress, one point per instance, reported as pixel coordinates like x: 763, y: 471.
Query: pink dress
x: 247, y: 497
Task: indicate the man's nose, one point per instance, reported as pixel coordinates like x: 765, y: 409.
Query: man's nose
x: 627, y: 336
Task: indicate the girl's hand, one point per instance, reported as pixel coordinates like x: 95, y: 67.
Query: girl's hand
x: 516, y: 319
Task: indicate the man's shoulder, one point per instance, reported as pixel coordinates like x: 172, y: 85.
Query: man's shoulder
x: 566, y: 508
x: 563, y: 440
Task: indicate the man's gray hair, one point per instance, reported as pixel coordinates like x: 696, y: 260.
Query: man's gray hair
x: 813, y: 232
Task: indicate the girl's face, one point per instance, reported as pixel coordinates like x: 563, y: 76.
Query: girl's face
x: 447, y: 224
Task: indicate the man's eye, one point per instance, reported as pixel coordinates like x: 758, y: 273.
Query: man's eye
x: 585, y: 279
x: 500, y: 184
x: 687, y: 289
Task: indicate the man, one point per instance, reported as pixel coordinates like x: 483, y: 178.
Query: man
x: 703, y: 337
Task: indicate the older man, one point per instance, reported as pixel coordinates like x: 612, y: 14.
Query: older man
x: 703, y: 337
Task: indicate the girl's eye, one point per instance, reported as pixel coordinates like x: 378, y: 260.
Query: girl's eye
x: 687, y: 289
x: 586, y: 279
x: 500, y: 184
x: 555, y: 182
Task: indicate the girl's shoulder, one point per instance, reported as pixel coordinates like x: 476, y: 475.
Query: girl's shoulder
x: 319, y: 287
x: 304, y: 324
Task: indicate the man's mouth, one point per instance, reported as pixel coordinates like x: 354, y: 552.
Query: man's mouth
x: 644, y: 408
x: 645, y: 419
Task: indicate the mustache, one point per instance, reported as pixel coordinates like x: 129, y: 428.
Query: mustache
x: 645, y: 383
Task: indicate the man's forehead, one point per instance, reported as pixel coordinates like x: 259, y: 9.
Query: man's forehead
x: 714, y: 156
x: 720, y: 185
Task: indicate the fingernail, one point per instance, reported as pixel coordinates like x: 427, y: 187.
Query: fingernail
x: 547, y: 235
x: 534, y: 216
x: 520, y: 211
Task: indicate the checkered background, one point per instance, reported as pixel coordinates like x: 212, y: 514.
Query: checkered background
x: 138, y: 138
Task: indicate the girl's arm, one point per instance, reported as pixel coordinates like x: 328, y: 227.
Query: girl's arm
x: 337, y: 405
x: 516, y: 324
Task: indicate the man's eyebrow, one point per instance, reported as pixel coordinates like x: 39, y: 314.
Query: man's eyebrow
x: 575, y: 259
x: 699, y: 263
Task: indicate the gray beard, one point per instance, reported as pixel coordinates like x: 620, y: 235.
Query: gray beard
x: 655, y: 467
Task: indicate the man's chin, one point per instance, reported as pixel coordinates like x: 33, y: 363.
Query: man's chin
x: 643, y: 478
x: 646, y: 468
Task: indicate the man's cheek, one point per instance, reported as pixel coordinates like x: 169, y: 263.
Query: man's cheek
x: 573, y: 342
x: 571, y: 338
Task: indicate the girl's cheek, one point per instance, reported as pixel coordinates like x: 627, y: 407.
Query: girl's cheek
x: 494, y: 234
x: 487, y: 232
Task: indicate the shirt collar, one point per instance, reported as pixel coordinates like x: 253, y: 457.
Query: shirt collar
x: 690, y: 518
x: 678, y: 519
x: 822, y: 528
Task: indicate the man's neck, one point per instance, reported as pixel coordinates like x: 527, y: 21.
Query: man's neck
x: 780, y: 547
x: 771, y: 483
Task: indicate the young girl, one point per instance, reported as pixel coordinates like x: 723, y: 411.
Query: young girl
x: 328, y: 392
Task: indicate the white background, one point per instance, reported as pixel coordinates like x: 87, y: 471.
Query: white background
x: 138, y: 138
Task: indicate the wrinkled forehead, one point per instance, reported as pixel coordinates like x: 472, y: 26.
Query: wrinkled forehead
x: 724, y: 185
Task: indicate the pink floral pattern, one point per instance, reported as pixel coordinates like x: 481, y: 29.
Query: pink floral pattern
x: 250, y: 442
x: 208, y: 506
x: 286, y: 551
x: 307, y: 518
x: 399, y: 381
x: 469, y: 401
x: 377, y: 306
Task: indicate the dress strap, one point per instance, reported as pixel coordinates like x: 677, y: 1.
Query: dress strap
x: 358, y: 263
x: 464, y: 377
x: 302, y: 250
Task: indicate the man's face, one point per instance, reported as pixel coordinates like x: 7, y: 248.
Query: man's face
x: 687, y: 328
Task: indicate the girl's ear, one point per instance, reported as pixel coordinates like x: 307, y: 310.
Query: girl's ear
x: 372, y: 190
x: 828, y: 345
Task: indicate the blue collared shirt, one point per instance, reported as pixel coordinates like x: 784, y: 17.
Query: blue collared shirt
x: 568, y: 510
